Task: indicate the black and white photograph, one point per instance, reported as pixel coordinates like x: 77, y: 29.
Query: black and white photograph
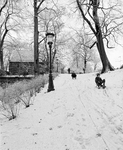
x: 61, y: 74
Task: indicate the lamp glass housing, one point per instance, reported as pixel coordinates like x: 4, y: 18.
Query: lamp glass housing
x: 50, y: 37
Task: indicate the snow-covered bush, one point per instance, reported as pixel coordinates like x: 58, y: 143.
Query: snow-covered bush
x: 22, y: 92
x: 26, y: 98
x: 10, y: 103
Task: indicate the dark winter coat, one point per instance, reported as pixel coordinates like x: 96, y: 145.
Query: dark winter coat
x: 98, y: 80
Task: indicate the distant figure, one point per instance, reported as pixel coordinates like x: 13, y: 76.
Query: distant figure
x: 83, y: 70
x: 68, y: 70
x: 100, y: 82
x: 73, y: 75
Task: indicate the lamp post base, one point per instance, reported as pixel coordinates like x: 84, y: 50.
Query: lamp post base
x: 50, y: 86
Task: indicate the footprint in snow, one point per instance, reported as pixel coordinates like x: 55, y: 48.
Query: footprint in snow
x: 34, y: 134
x: 99, y: 134
x: 59, y: 126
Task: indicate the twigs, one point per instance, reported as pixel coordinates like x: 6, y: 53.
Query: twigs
x: 18, y: 94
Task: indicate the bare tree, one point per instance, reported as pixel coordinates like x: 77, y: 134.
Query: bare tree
x: 90, y: 12
x: 46, y: 19
x: 3, y: 31
x: 9, y: 25
x: 37, y: 5
x: 81, y: 51
x: 50, y: 21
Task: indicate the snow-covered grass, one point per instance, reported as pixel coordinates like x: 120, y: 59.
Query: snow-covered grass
x: 20, y: 92
x: 76, y: 116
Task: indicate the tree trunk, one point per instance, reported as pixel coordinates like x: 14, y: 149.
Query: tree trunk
x: 36, y: 50
x: 100, y: 44
x: 105, y: 62
x: 85, y: 65
x: 1, y: 53
x: 1, y: 59
x: 77, y: 65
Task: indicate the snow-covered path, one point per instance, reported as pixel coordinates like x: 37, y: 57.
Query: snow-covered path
x: 75, y: 116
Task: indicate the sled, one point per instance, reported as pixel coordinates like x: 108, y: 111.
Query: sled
x: 99, y: 87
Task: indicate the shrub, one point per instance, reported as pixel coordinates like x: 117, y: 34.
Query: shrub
x: 9, y: 103
x: 26, y: 98
x: 22, y: 92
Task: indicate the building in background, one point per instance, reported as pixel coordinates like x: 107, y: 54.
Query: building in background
x: 22, y: 63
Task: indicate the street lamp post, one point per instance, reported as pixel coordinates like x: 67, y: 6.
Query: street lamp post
x: 50, y: 42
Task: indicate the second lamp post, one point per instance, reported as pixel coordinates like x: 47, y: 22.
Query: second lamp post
x: 50, y: 42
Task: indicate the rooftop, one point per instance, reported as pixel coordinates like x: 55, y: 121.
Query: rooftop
x: 22, y: 56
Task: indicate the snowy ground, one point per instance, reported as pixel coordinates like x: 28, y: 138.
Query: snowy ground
x: 76, y: 116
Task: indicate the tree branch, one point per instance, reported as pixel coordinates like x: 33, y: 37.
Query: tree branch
x: 82, y: 13
x: 92, y: 45
x: 107, y: 43
x: 42, y: 40
x: 40, y: 4
x: 3, y: 6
